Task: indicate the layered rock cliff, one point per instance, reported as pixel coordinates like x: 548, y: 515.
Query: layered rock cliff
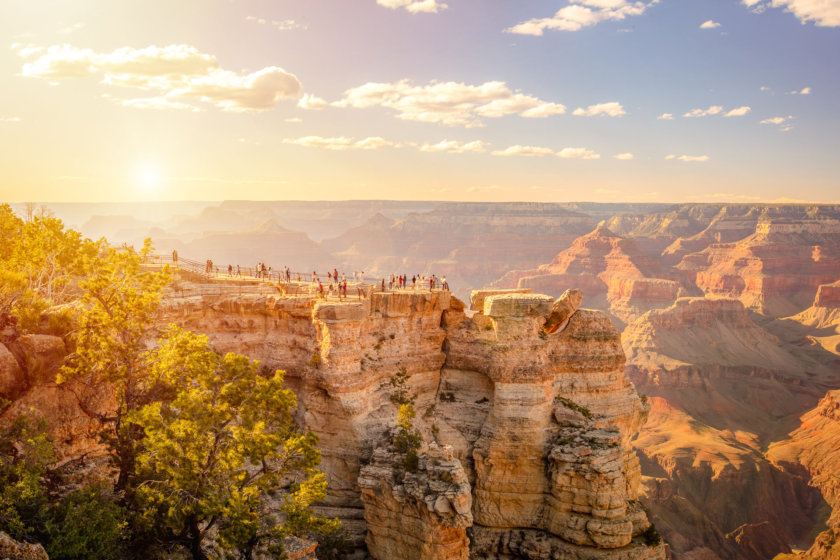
x: 526, y: 435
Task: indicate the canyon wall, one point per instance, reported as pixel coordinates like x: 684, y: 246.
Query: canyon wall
x: 525, y: 449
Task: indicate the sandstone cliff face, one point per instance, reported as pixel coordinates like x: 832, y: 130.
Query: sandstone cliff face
x: 721, y: 388
x: 528, y: 434
x: 28, y: 367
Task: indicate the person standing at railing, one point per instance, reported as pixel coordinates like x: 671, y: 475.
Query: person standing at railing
x: 174, y: 256
x: 238, y: 271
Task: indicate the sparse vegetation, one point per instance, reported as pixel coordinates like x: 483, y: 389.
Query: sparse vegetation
x: 407, y: 439
x: 568, y: 403
x: 447, y: 396
x: 652, y: 536
x: 315, y: 360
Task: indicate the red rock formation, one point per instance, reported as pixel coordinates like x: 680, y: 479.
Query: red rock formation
x: 828, y: 296
x: 776, y: 271
x: 610, y: 269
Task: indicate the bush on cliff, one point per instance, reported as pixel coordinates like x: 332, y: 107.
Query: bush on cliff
x: 211, y: 454
x: 87, y: 524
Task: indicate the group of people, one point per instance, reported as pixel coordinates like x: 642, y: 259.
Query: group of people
x: 400, y: 282
x: 336, y: 283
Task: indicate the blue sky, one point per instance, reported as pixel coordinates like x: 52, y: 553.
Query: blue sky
x: 453, y: 100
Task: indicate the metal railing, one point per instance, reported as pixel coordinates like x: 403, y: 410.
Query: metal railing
x: 272, y: 281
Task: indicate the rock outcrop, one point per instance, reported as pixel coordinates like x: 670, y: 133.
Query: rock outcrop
x: 10, y: 549
x: 28, y: 368
x: 527, y: 433
x: 417, y: 514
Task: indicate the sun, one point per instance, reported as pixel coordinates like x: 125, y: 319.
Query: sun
x: 148, y: 178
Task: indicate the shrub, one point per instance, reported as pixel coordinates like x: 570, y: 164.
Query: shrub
x: 87, y: 524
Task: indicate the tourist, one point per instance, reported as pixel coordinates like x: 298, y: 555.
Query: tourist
x: 174, y: 256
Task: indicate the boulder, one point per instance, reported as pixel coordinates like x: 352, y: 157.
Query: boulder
x: 563, y: 309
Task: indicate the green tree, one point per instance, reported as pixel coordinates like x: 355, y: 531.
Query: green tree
x: 212, y: 453
x: 26, y: 453
x: 40, y: 262
x: 113, y: 328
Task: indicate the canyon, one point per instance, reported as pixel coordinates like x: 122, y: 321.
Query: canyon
x: 535, y: 441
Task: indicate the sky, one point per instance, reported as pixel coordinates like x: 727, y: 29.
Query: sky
x: 496, y: 100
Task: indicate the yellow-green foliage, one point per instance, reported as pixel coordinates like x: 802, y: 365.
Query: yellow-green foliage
x: 214, y: 450
x: 40, y: 261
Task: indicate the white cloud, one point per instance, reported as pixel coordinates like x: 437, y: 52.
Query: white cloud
x: 665, y: 117
x: 803, y: 91
x: 612, y: 109
x: 373, y: 143
x: 294, y: 120
x: 10, y: 119
x: 764, y: 88
x: 544, y: 110
x: 577, y: 153
x: 697, y: 159
x: 455, y: 147
x: 176, y: 72
x: 713, y: 110
x: 539, y: 151
x: 582, y: 13
x: 824, y: 13
x: 785, y: 123
x: 527, y: 151
x: 279, y: 24
x: 340, y: 143
x: 415, y: 6
x: 670, y: 156
x: 738, y: 112
x: 311, y: 102
x: 709, y: 24
x: 448, y: 103
x: 71, y: 28
x: 526, y: 105
x: 774, y: 120
x: 624, y: 157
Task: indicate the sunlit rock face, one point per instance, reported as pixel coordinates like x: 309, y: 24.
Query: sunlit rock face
x: 28, y: 368
x: 526, y: 434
